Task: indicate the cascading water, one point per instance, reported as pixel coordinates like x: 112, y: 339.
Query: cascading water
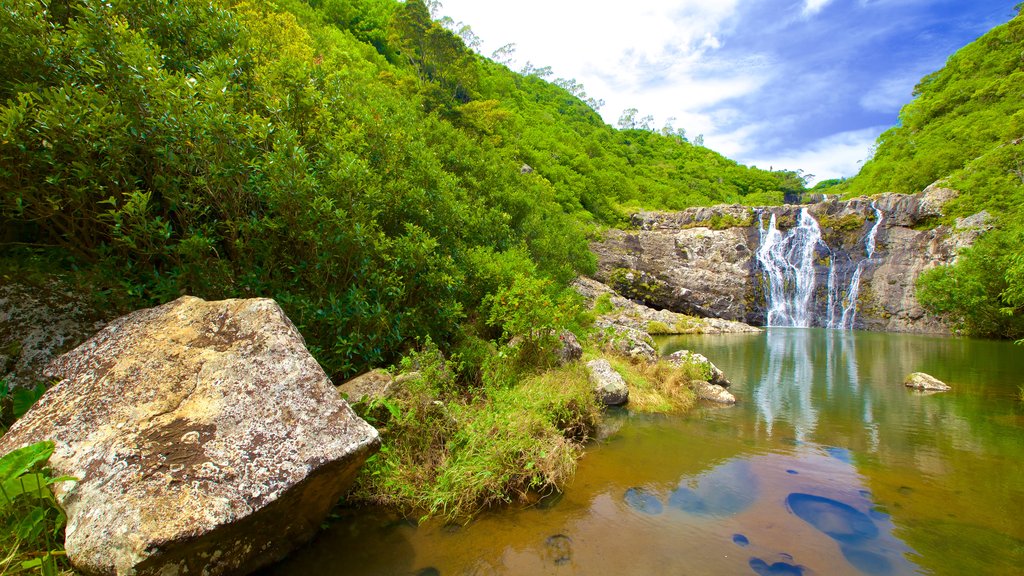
x: 850, y: 307
x: 787, y: 262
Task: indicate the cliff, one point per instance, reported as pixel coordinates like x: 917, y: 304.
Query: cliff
x: 840, y: 264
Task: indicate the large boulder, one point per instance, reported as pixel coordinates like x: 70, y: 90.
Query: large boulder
x: 608, y: 384
x: 927, y: 382
x: 204, y: 437
x: 712, y: 374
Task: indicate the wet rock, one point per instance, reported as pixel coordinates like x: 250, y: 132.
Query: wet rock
x: 608, y: 384
x: 373, y: 385
x: 712, y: 392
x: 558, y: 549
x: 204, y: 437
x: 922, y: 381
x: 712, y: 374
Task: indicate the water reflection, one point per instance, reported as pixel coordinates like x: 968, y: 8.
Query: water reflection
x: 828, y: 465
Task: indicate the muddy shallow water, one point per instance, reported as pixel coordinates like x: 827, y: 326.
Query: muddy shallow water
x: 827, y: 465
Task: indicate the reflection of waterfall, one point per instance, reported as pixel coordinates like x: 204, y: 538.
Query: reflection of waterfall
x: 787, y: 262
x: 785, y: 388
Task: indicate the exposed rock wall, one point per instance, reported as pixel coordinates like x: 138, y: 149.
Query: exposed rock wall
x: 702, y: 261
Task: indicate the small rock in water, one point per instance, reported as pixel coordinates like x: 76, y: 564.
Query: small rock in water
x: 643, y: 501
x: 740, y: 540
x: 558, y: 549
x: 837, y: 520
x: 905, y: 490
x: 791, y: 472
x: 429, y: 571
x: 922, y: 381
x: 762, y: 568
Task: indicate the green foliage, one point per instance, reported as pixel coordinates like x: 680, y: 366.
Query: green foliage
x: 455, y: 454
x: 31, y: 522
x: 964, y: 129
x: 15, y: 403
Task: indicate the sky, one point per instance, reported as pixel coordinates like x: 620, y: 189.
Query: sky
x: 783, y: 84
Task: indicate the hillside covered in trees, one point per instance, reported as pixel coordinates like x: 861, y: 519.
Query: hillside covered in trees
x: 965, y: 130
x: 353, y: 160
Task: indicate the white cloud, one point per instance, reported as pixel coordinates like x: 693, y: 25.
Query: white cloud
x: 812, y: 7
x: 835, y: 156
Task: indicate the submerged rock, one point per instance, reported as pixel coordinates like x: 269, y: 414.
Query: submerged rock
x: 205, y: 440
x: 922, y: 381
x: 609, y: 385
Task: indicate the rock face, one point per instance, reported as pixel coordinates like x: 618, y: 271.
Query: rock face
x: 703, y: 261
x: 631, y: 314
x: 609, y: 385
x: 922, y: 381
x: 205, y: 440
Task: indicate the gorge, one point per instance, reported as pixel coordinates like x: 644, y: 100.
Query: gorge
x: 832, y: 264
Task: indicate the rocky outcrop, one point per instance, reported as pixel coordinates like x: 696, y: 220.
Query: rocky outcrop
x: 631, y: 314
x: 609, y: 386
x: 624, y: 341
x: 703, y: 261
x: 922, y: 381
x: 37, y: 324
x: 712, y: 374
x: 712, y: 392
x: 569, y: 348
x: 204, y: 437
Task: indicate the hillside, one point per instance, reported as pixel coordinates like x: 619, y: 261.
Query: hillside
x: 965, y: 130
x: 353, y: 160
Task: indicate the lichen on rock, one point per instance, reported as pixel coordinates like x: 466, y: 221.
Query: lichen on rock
x: 204, y: 437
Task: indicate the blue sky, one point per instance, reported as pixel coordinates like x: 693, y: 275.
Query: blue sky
x: 793, y: 84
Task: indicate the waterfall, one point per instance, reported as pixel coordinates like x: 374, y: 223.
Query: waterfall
x: 787, y: 263
x: 850, y: 309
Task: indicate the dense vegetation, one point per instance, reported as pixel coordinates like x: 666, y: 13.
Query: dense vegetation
x: 353, y: 160
x: 965, y: 129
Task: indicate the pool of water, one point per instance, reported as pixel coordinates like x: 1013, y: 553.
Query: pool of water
x: 827, y: 465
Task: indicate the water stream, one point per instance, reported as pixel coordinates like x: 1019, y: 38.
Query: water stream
x: 827, y: 466
x: 788, y: 263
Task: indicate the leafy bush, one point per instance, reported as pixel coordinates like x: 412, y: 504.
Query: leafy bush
x: 31, y: 522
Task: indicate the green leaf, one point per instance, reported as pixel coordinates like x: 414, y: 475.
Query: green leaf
x: 31, y: 525
x: 32, y: 484
x: 25, y: 398
x: 17, y: 462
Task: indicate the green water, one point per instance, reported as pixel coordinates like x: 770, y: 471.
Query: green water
x: 827, y: 466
